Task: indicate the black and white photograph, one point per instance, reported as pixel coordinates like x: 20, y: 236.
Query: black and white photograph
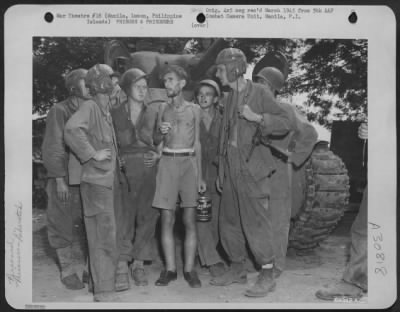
x: 206, y: 168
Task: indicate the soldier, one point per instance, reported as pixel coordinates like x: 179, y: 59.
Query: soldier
x: 64, y: 213
x: 355, y: 277
x: 208, y: 96
x: 117, y: 97
x: 134, y: 121
x: 298, y: 145
x: 245, y: 217
x: 90, y: 135
x: 179, y: 174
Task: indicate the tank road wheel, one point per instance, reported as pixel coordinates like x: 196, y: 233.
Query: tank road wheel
x: 325, y: 199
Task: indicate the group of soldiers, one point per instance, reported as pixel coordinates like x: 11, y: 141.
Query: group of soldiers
x: 133, y: 164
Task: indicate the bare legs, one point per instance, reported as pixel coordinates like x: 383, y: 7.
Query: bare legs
x: 168, y: 240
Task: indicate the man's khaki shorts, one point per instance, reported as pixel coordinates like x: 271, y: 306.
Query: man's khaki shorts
x: 176, y: 176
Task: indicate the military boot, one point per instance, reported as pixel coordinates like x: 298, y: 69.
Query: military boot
x: 235, y: 274
x: 138, y: 273
x: 122, y: 276
x: 85, y: 275
x: 217, y: 269
x: 265, y: 283
x: 69, y: 277
x: 340, y: 290
x: 107, y: 296
x: 79, y: 260
x: 276, y: 272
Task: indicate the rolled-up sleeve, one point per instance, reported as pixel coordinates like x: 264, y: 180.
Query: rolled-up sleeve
x: 76, y: 132
x: 54, y: 153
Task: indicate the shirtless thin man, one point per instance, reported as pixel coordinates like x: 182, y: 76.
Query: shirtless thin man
x: 179, y: 174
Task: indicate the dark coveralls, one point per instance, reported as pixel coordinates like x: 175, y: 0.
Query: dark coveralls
x: 357, y: 269
x: 245, y: 216
x: 136, y: 218
x: 208, y: 236
x: 64, y: 218
x: 300, y: 141
x: 90, y: 129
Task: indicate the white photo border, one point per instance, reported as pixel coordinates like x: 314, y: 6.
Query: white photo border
x: 376, y: 24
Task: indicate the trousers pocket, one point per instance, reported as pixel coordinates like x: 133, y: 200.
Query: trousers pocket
x: 104, y: 165
x: 256, y: 189
x: 96, y: 199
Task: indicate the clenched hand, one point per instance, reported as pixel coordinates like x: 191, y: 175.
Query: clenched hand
x: 102, y: 154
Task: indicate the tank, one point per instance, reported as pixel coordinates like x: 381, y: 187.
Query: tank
x: 320, y: 196
x: 320, y: 188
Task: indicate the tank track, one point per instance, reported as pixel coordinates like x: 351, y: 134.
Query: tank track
x: 325, y: 200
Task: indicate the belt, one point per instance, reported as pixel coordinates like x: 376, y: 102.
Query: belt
x: 178, y: 154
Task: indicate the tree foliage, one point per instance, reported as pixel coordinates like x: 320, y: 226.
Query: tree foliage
x: 330, y: 74
x: 55, y: 57
x: 333, y: 75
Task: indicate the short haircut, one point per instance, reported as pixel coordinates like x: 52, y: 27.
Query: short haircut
x: 179, y: 71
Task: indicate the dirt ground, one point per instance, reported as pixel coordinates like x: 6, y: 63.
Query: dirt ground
x: 304, y: 275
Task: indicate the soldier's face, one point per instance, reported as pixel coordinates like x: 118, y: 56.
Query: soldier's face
x: 264, y: 82
x: 261, y: 80
x: 222, y: 75
x: 173, y: 85
x: 114, y: 80
x: 138, y: 90
x: 206, y: 97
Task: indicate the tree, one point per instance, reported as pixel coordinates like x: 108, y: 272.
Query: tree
x: 55, y: 57
x: 333, y: 75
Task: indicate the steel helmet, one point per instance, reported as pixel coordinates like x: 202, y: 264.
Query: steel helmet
x: 234, y: 61
x: 72, y: 81
x: 273, y: 59
x: 131, y: 76
x: 98, y: 79
x: 211, y: 83
x: 273, y: 76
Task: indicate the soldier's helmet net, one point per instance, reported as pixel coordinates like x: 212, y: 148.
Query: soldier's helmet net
x: 72, y: 81
x: 98, y: 79
x: 235, y: 62
x: 130, y: 77
x: 273, y: 76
